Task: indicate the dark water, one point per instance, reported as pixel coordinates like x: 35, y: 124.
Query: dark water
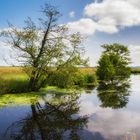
x: 100, y: 114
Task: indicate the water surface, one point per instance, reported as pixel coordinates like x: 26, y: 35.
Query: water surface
x: 99, y: 114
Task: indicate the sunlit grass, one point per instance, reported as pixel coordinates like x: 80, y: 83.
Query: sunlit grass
x: 15, y: 80
x: 11, y: 70
x: 87, y: 70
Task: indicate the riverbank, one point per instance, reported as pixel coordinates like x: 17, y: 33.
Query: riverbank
x: 15, y: 80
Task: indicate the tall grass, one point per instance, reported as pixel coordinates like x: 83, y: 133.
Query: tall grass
x: 87, y: 70
x: 11, y: 70
x: 13, y: 80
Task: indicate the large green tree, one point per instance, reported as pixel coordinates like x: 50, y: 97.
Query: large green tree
x: 45, y: 44
x: 114, y: 63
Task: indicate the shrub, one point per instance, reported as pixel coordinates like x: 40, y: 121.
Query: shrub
x: 90, y: 78
x: 61, y: 79
x: 85, y: 79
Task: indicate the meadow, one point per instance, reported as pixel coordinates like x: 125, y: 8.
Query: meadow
x: 15, y: 80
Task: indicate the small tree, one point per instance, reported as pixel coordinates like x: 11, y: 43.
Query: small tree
x: 113, y: 64
x: 45, y: 45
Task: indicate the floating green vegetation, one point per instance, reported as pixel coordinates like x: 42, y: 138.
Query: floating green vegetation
x: 18, y: 99
x: 32, y: 97
x: 54, y: 89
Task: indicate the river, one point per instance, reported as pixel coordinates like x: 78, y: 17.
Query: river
x: 97, y: 114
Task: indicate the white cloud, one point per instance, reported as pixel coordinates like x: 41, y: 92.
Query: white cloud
x: 116, y: 13
x: 87, y: 26
x: 72, y: 14
x: 108, y: 16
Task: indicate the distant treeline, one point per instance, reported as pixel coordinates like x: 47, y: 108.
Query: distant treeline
x: 135, y: 70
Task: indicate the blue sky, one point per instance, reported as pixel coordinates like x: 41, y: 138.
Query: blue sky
x: 16, y: 11
x: 103, y: 22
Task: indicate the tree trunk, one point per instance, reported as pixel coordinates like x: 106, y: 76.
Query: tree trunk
x: 33, y: 86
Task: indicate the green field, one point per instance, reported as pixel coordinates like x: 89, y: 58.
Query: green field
x: 15, y: 80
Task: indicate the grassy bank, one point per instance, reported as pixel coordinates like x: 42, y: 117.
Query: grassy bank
x: 15, y: 80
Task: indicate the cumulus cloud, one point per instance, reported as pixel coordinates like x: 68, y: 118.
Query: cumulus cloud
x: 108, y: 16
x: 87, y: 26
x: 72, y: 14
x: 116, y: 13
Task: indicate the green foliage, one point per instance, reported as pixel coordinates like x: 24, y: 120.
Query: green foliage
x: 85, y: 79
x: 69, y: 77
x: 80, y: 80
x: 105, y: 71
x: 62, y: 78
x: 90, y: 78
x: 13, y: 80
x: 113, y: 64
x: 46, y: 44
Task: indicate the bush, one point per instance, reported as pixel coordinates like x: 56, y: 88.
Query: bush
x: 90, y: 78
x: 61, y: 79
x: 86, y: 79
x: 80, y: 80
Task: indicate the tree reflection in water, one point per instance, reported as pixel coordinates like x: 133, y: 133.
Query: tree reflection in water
x: 53, y: 120
x: 114, y: 95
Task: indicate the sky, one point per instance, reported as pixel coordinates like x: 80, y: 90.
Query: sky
x: 100, y: 21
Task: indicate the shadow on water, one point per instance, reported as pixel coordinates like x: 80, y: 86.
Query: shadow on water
x: 114, y: 95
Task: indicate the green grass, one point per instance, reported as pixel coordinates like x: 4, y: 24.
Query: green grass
x: 12, y: 80
x: 15, y: 80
